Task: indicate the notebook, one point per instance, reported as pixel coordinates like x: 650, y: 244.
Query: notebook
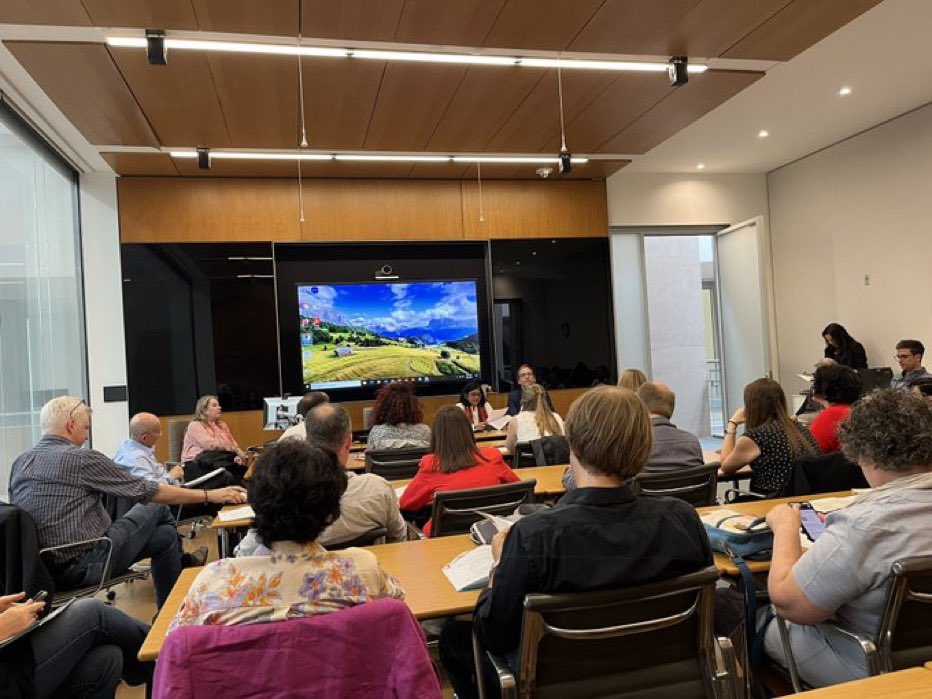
x: 235, y: 513
x: 470, y: 570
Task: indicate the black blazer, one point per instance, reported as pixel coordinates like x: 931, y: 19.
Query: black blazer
x: 854, y: 357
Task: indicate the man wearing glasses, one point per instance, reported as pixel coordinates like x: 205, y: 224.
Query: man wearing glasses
x: 909, y: 357
x: 61, y: 485
x: 525, y: 378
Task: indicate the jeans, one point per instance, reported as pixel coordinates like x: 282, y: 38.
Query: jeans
x: 146, y: 531
x: 86, y: 650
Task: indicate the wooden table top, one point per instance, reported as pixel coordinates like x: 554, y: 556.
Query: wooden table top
x: 159, y: 630
x: 913, y: 683
x: 757, y: 508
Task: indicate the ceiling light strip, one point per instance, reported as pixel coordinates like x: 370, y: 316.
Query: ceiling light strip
x: 409, y: 56
x: 381, y: 158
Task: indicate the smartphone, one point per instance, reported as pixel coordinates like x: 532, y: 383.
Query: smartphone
x: 813, y: 526
x: 40, y: 596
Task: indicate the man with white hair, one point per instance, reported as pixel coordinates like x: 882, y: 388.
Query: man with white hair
x: 60, y: 485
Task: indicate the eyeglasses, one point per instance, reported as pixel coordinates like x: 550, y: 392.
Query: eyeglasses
x: 903, y: 356
x: 76, y: 406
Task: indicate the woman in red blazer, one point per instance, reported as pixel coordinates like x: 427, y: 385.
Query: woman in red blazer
x: 455, y: 462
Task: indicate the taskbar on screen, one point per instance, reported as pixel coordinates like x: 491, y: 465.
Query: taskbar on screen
x: 366, y: 383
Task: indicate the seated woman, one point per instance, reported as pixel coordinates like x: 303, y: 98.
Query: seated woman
x: 846, y: 572
x: 455, y: 463
x: 85, y: 651
x: 834, y: 387
x: 474, y: 404
x: 632, y: 379
x: 535, y: 420
x: 207, y: 432
x: 295, y: 492
x: 396, y: 419
x: 771, y: 440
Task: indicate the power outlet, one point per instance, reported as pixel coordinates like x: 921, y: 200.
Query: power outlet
x: 867, y: 280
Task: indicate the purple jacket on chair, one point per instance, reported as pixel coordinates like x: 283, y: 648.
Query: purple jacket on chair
x: 372, y: 650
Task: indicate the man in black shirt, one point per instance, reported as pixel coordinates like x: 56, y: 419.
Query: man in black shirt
x: 598, y: 537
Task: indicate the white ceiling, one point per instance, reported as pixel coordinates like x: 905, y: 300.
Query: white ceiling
x: 884, y: 56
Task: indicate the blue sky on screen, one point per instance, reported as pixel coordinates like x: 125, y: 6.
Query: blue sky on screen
x: 393, y: 308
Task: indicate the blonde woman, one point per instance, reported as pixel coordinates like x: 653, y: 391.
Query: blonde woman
x: 535, y: 420
x: 632, y: 379
x: 207, y: 432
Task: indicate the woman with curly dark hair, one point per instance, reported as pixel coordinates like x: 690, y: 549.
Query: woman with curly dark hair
x: 843, y: 348
x: 396, y: 419
x: 295, y: 492
x: 835, y: 388
x: 845, y: 574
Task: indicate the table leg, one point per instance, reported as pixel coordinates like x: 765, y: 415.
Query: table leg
x: 224, y: 543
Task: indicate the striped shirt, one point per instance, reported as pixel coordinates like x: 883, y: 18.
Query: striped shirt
x: 61, y: 486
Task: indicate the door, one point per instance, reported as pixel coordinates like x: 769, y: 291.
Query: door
x: 744, y: 308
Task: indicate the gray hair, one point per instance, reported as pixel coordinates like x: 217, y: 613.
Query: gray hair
x: 56, y: 413
x: 327, y: 426
x: 889, y: 429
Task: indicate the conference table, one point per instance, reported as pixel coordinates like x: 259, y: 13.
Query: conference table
x: 912, y: 683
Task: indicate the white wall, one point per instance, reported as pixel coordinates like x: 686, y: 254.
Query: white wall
x: 858, y: 208
x: 103, y: 301
x: 648, y: 199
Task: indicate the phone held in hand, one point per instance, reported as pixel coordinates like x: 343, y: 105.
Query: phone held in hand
x: 813, y: 526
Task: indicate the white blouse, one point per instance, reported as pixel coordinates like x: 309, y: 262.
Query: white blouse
x: 475, y: 413
x: 527, y: 426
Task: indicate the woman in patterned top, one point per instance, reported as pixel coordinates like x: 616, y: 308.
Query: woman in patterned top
x: 771, y: 441
x: 396, y: 419
x: 295, y: 492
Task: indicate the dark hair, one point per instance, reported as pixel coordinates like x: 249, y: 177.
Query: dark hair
x: 765, y: 401
x: 837, y: 384
x: 840, y: 335
x: 327, y: 426
x: 469, y: 388
x: 889, y: 429
x: 452, y: 441
x: 310, y: 401
x: 913, y: 346
x: 396, y: 404
x: 295, y: 491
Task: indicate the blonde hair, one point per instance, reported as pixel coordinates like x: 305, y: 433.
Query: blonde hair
x: 609, y: 431
x: 632, y: 379
x: 56, y: 413
x: 200, y: 409
x: 534, y: 397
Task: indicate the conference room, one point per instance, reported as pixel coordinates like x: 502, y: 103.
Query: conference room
x: 213, y: 211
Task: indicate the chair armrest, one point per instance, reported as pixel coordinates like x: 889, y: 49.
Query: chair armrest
x: 867, y: 644
x: 727, y: 674
x: 732, y: 493
x: 506, y: 678
x: 106, y: 571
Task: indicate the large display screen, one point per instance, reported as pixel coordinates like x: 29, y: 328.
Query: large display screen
x: 367, y: 334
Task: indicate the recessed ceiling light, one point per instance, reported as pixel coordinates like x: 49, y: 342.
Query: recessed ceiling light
x: 700, y: 166
x: 844, y: 92
x: 763, y: 133
x: 533, y: 252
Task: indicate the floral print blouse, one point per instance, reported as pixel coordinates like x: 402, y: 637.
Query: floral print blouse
x: 294, y: 581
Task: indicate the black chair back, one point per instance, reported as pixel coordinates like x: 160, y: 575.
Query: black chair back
x: 523, y: 456
x: 824, y: 473
x: 649, y: 640
x: 695, y: 484
x: 370, y: 538
x: 394, y: 464
x: 454, y: 511
x: 905, y: 633
x: 549, y: 451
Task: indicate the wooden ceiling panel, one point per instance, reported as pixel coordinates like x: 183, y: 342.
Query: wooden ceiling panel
x: 86, y: 86
x: 555, y: 23
x: 338, y: 116
x: 537, y: 119
x: 626, y: 26
x: 486, y: 98
x: 682, y: 107
x: 411, y: 101
x: 289, y: 168
x: 593, y: 170
x: 69, y: 13
x: 797, y: 27
x: 365, y: 20
x: 164, y: 14
x: 247, y: 17
x: 141, y: 164
x: 625, y: 100
x: 451, y: 22
x: 179, y: 99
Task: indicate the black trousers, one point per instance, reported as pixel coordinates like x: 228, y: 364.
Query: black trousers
x: 457, y: 658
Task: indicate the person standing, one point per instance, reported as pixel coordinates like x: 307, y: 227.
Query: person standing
x: 843, y: 348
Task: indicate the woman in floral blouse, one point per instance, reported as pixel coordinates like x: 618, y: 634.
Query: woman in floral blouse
x: 295, y: 492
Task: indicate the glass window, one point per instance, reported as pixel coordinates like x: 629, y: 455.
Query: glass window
x: 42, y: 347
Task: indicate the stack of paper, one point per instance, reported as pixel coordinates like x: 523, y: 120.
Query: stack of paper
x: 470, y: 570
x: 233, y: 514
x: 826, y: 505
x: 497, y: 419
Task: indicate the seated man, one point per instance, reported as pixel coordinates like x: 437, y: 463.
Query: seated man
x: 673, y: 448
x: 526, y: 377
x: 137, y: 454
x: 369, y: 501
x: 639, y: 541
x: 909, y: 356
x: 846, y: 572
x: 307, y: 403
x: 60, y: 486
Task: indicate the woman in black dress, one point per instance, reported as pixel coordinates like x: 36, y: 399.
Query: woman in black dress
x: 843, y: 348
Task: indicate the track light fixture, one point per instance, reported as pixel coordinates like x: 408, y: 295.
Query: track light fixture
x: 156, y: 50
x: 566, y: 163
x: 203, y: 158
x: 678, y: 70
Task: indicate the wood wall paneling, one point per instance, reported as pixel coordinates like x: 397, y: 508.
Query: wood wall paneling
x: 91, y: 92
x: 543, y: 209
x: 246, y: 425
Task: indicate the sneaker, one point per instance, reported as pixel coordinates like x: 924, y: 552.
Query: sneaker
x: 192, y: 560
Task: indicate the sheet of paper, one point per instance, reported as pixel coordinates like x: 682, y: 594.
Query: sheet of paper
x: 499, y: 422
x: 235, y: 513
x: 826, y: 505
x: 499, y: 522
x: 204, y: 478
x: 470, y: 570
x: 805, y: 377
